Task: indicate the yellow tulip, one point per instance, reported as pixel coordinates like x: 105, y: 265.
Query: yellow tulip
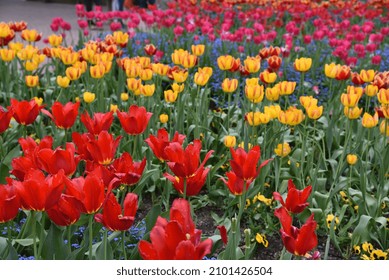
x: 273, y: 93
x: 352, y: 112
x: 229, y: 141
x: 307, y: 101
x: 201, y: 78
x: 257, y: 118
x: 178, y: 87
x: 63, y: 82
x: 302, y: 64
x: 352, y: 159
x: 73, y: 73
x: 367, y: 75
x: 170, y: 96
x: 146, y: 74
x: 229, y: 85
x: 314, y: 112
x: 273, y: 111
x: 252, y: 64
x: 384, y: 126
x: 383, y: 96
x: 371, y: 90
x: 163, y: 118
x: 189, y: 60
x: 286, y: 87
x: 97, y: 71
x: 330, y: 70
x: 292, y: 116
x: 88, y: 97
x: 133, y: 84
x: 32, y: 81
x: 268, y: 77
x: 147, y: 90
x: 254, y: 93
x: 7, y: 55
x: 198, y: 49
x: 282, y: 150
x: 369, y: 121
x: 55, y: 40
x: 225, y: 62
x: 124, y: 96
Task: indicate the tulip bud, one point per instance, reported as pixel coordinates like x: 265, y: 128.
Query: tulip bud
x: 124, y: 96
x: 352, y: 159
x: 89, y: 97
x: 32, y: 81
x: 163, y: 118
x: 230, y: 141
x: 302, y: 64
x: 282, y: 150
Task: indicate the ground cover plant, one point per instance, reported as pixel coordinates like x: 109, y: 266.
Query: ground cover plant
x: 198, y: 130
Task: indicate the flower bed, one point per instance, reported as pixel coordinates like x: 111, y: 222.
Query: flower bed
x: 266, y: 122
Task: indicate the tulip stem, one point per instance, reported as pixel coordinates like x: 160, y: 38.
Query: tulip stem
x: 124, y: 245
x: 105, y: 243
x: 228, y: 112
x: 33, y: 218
x: 68, y: 233
x: 301, y: 84
x: 327, y: 248
x: 42, y: 235
x: 90, y: 228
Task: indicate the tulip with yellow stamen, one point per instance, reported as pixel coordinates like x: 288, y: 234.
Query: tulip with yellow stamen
x: 272, y: 93
x: 163, y: 118
x: 352, y: 112
x: 268, y: 77
x: 282, y: 150
x: 257, y: 118
x: 31, y: 81
x: 229, y: 141
x: 286, y: 87
x: 229, y: 85
x: 302, y: 64
x: 371, y: 90
x: 252, y: 64
x: 63, y: 82
x: 369, y: 121
x: 88, y: 97
x: 367, y: 75
x: 147, y: 90
x: 170, y: 96
x: 383, y: 96
x: 314, y: 112
x: 198, y: 50
x: 254, y: 93
x: 225, y: 62
x: 292, y: 116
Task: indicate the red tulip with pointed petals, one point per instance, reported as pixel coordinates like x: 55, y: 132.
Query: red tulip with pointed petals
x: 128, y: 171
x: 103, y: 148
x: 81, y: 141
x: 99, y: 122
x: 53, y: 161
x: 193, y: 184
x: 245, y: 164
x: 177, y: 239
x: 9, y: 202
x: 93, y: 192
x: 159, y: 143
x: 134, y: 121
x: 66, y: 211
x: 235, y: 184
x: 64, y: 116
x: 185, y: 163
x: 223, y: 234
x: 25, y: 112
x: 5, y: 118
x: 296, y: 200
x: 33, y: 191
x: 114, y: 217
x: 297, y: 241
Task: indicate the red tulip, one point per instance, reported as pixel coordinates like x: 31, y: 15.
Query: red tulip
x: 103, y: 149
x: 296, y: 200
x: 159, y: 143
x: 81, y: 141
x: 9, y: 202
x: 245, y: 164
x: 177, y: 239
x: 223, y: 234
x: 297, y: 241
x: 135, y: 121
x: 116, y: 219
x: 185, y: 163
x: 100, y: 122
x: 92, y: 189
x: 193, y: 183
x: 53, y: 161
x: 127, y: 171
x: 64, y: 116
x: 5, y: 118
x: 150, y: 49
x: 25, y: 112
x: 33, y: 191
x: 235, y: 184
x: 66, y: 211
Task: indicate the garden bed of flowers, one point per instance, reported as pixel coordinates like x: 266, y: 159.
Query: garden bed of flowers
x: 198, y: 130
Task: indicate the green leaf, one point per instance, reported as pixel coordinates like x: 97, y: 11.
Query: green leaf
x: 54, y: 247
x: 25, y: 241
x: 4, y: 172
x: 152, y: 216
x: 100, y: 251
x: 362, y: 231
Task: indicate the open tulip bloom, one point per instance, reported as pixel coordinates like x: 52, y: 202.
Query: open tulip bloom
x: 296, y: 200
